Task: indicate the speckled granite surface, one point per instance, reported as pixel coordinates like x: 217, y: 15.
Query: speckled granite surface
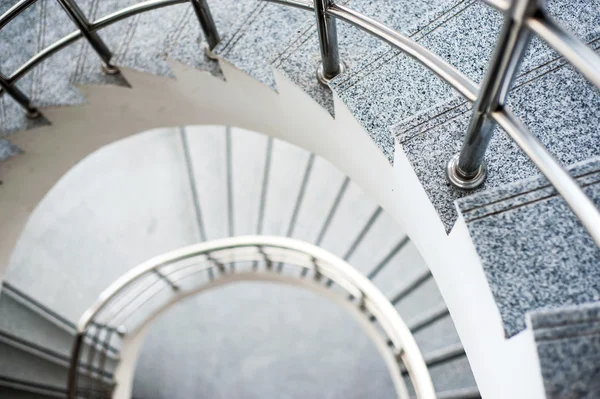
x: 382, y: 88
x: 7, y: 149
x: 553, y: 100
x: 568, y: 346
x: 534, y: 251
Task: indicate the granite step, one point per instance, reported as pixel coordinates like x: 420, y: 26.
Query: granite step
x: 534, y: 251
x: 216, y: 182
x: 42, y: 330
x: 555, y: 102
x: 17, y: 389
x: 35, y: 367
x: 292, y: 44
x: 447, y: 367
x: 390, y: 87
x: 568, y: 336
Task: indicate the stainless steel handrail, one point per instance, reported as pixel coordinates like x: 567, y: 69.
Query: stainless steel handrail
x: 15, y: 10
x: 467, y: 169
x: 89, y: 28
x: 249, y: 249
x: 431, y: 61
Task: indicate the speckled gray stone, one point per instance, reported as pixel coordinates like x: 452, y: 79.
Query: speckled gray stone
x: 568, y: 346
x: 534, y: 251
x: 8, y: 149
x: 559, y: 107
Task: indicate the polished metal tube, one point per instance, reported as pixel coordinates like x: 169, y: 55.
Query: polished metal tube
x: 74, y: 367
x: 507, y: 56
x: 15, y: 10
x: 301, y: 4
x: 326, y: 27
x: 18, y: 96
x: 581, y: 205
x: 77, y: 16
x: 566, y: 44
x: 207, y: 23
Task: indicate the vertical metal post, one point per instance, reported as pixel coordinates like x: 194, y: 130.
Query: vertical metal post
x: 19, y: 97
x: 74, y: 367
x: 330, y: 58
x: 77, y: 16
x: 467, y: 169
x: 208, y: 24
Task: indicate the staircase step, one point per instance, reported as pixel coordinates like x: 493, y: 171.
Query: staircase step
x: 18, y: 319
x: 19, y: 389
x: 447, y: 367
x: 534, y: 251
x: 568, y: 336
x: 206, y: 173
x: 8, y: 149
x: 556, y: 104
x: 25, y: 365
x: 23, y: 317
x: 467, y: 393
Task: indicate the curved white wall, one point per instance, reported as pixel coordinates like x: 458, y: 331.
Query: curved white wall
x: 502, y: 368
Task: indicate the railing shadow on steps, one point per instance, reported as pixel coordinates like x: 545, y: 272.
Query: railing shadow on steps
x: 466, y: 170
x: 144, y: 292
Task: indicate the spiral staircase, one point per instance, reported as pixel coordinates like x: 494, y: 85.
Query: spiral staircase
x: 237, y: 183
x: 515, y: 259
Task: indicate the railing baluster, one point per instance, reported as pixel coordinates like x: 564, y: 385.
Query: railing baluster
x: 208, y: 25
x: 468, y: 170
x: 330, y: 58
x: 77, y: 16
x: 19, y: 97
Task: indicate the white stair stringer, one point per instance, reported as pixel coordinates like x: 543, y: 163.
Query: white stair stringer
x: 291, y: 192
x: 291, y: 115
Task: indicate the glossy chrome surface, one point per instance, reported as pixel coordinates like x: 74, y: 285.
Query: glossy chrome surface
x: 509, y: 50
x: 521, y: 17
x: 15, y: 10
x: 586, y: 60
x: 19, y: 97
x: 581, y: 205
x: 328, y: 42
x: 206, y: 23
x: 79, y: 19
x: 301, y: 4
x: 430, y: 60
x: 138, y: 291
x: 454, y: 174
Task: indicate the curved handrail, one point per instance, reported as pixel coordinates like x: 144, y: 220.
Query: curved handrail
x: 430, y: 60
x: 518, y: 13
x: 215, y: 255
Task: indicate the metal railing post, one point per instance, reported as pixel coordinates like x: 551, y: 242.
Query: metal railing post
x: 77, y: 16
x: 330, y: 58
x: 208, y: 25
x: 72, y: 384
x: 467, y: 169
x: 19, y: 97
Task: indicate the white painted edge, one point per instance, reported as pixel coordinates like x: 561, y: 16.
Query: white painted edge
x: 113, y: 113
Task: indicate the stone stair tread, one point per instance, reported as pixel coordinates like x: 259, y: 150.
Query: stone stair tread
x: 568, y: 336
x: 25, y: 366
x: 533, y: 249
x: 31, y: 329
x: 558, y: 107
x: 473, y: 25
x: 18, y: 320
x: 404, y: 266
x: 464, y: 393
x: 333, y: 211
x: 16, y: 393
